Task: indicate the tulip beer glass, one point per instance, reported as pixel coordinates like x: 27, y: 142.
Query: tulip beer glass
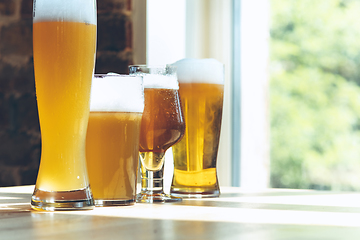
x: 112, y: 140
x: 64, y: 44
x: 201, y: 88
x: 162, y: 126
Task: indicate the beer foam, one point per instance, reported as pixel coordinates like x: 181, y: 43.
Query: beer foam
x: 191, y: 70
x: 65, y: 10
x: 156, y: 76
x: 117, y: 93
x: 160, y: 81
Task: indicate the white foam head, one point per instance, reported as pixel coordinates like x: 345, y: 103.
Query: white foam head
x: 117, y: 93
x: 191, y: 70
x: 160, y: 81
x: 65, y: 10
x: 157, y: 77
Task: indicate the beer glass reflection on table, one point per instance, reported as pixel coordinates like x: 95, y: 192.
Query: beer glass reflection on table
x: 112, y: 141
x: 162, y: 126
x: 201, y: 88
x: 64, y: 44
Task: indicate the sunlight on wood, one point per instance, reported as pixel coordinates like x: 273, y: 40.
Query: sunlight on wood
x: 17, y: 189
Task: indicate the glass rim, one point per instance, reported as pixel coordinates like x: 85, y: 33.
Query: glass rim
x: 103, y: 75
x: 156, y: 68
x: 153, y: 66
x: 152, y: 69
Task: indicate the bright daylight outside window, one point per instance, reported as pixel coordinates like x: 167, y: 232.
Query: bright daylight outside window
x: 315, y: 94
x: 167, y: 31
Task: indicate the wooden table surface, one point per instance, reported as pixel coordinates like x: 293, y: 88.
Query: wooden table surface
x: 237, y: 214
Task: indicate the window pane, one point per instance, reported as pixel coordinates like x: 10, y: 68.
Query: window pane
x: 315, y: 94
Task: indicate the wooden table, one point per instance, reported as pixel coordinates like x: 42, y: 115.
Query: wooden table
x: 237, y: 214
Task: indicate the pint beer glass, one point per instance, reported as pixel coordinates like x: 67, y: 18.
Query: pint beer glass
x: 64, y: 44
x: 201, y: 90
x: 112, y: 141
x: 162, y: 126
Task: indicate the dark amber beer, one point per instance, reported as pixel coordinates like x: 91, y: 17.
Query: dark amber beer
x: 112, y: 141
x: 64, y: 44
x: 201, y: 87
x: 162, y: 125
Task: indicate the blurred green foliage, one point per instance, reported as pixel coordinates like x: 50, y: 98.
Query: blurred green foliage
x: 315, y: 94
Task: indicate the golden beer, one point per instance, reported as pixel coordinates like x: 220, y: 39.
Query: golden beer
x: 63, y: 80
x: 64, y: 46
x: 195, y: 156
x: 112, y: 151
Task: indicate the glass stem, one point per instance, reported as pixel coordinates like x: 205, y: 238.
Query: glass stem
x: 152, y: 181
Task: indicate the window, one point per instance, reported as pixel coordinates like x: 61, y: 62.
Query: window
x: 211, y: 29
x: 315, y: 105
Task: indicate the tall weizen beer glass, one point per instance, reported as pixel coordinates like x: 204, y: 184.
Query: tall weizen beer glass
x: 112, y: 141
x: 201, y: 87
x: 64, y: 43
x: 162, y: 126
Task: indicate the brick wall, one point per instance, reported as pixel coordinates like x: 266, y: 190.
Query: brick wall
x: 20, y: 140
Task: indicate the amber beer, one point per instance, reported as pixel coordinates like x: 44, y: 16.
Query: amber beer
x: 112, y: 142
x: 201, y: 87
x: 64, y: 45
x: 162, y: 125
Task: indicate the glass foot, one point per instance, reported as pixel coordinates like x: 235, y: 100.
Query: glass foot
x: 156, y: 198
x: 113, y: 203
x: 194, y: 192
x: 62, y: 201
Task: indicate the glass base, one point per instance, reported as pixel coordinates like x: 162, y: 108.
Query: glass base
x: 194, y: 192
x: 152, y: 186
x: 62, y: 201
x: 113, y: 203
x: 156, y: 198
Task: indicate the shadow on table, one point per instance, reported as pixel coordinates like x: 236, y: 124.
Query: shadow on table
x: 59, y: 226
x: 14, y: 203
x: 14, y: 198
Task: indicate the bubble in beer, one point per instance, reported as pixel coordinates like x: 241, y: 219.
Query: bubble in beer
x: 117, y: 93
x: 65, y: 10
x: 191, y: 70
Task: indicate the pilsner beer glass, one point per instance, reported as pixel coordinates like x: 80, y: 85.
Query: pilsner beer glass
x: 112, y: 140
x: 201, y: 88
x: 64, y: 44
x: 162, y: 126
